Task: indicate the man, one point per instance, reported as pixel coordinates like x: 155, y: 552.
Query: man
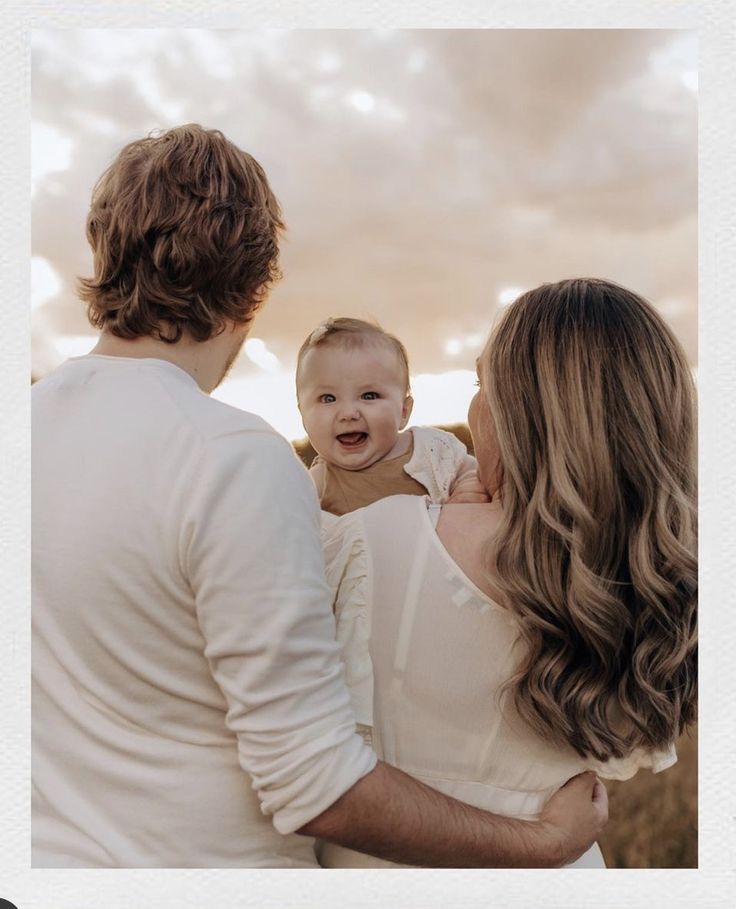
x: 185, y: 678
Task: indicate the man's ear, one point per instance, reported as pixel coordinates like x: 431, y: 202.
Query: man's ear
x: 406, y: 410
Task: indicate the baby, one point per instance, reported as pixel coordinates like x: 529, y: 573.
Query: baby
x: 352, y: 381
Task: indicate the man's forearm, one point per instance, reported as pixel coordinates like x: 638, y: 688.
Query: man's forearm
x: 393, y: 816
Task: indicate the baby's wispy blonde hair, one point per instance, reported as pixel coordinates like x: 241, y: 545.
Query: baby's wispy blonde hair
x: 349, y: 333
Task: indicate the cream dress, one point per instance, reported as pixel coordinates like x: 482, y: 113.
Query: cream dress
x: 426, y: 653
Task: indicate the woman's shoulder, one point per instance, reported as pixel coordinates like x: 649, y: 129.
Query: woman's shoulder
x: 469, y: 523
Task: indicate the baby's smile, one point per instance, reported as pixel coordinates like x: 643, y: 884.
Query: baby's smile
x: 351, y: 440
x: 354, y: 403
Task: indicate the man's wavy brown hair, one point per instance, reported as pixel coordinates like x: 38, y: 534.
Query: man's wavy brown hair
x: 184, y: 229
x: 594, y: 410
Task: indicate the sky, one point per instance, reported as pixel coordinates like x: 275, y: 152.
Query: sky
x: 426, y: 178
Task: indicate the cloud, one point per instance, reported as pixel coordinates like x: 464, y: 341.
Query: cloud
x: 484, y: 159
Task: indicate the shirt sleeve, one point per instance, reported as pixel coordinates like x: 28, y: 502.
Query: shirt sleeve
x: 250, y: 548
x: 346, y: 561
x: 438, y: 458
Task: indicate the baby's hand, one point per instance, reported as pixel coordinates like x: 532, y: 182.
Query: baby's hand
x: 468, y: 490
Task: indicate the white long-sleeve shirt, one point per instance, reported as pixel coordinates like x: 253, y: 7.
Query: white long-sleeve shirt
x: 186, y: 680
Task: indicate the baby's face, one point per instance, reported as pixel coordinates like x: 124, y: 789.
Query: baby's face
x: 353, y: 403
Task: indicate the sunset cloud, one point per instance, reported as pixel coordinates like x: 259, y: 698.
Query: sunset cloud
x: 422, y: 173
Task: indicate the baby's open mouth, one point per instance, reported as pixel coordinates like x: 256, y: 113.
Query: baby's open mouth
x: 352, y: 439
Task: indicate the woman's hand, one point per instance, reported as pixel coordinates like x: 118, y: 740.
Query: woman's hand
x: 572, y: 819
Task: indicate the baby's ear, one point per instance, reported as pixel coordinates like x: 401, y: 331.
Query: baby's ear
x: 406, y: 410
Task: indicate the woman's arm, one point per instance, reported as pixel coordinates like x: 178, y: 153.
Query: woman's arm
x: 393, y: 816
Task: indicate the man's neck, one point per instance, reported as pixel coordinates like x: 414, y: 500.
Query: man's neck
x: 205, y: 361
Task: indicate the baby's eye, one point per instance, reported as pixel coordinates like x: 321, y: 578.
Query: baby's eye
x: 327, y: 399
x: 477, y: 383
x: 370, y: 396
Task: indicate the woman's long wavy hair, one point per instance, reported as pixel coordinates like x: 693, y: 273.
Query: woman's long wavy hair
x: 594, y: 411
x: 184, y: 230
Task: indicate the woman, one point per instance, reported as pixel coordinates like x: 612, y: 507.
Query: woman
x: 552, y: 630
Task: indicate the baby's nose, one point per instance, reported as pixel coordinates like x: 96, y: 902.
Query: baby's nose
x: 350, y: 412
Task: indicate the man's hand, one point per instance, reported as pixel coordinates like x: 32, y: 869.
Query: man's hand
x: 573, y: 818
x: 468, y: 489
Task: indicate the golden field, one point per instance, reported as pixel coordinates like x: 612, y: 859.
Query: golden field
x: 653, y: 818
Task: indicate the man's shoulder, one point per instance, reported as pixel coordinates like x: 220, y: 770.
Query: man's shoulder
x: 212, y: 419
x: 218, y: 418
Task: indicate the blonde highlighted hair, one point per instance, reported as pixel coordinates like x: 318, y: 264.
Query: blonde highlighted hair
x: 594, y: 410
x: 184, y: 230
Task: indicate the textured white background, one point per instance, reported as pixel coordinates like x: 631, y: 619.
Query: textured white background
x: 714, y: 884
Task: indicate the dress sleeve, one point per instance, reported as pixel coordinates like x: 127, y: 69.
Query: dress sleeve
x: 655, y: 760
x: 250, y: 549
x: 438, y: 458
x: 346, y: 561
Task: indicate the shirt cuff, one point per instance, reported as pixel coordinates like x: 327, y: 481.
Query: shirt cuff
x: 319, y: 785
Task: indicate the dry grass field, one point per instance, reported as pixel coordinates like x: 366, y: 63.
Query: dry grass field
x: 653, y: 818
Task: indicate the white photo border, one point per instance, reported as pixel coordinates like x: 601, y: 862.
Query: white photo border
x: 713, y: 884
